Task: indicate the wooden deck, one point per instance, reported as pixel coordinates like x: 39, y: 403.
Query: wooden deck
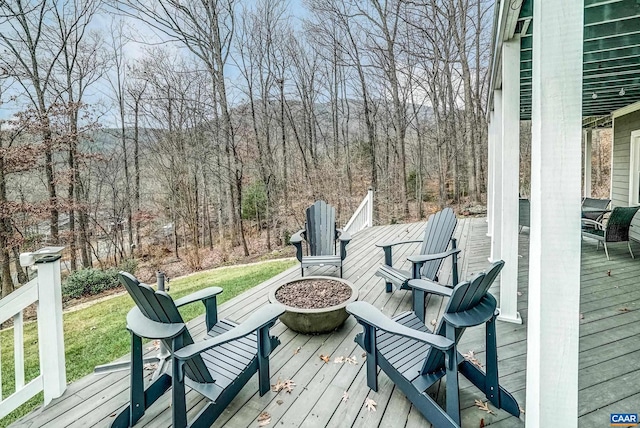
x: 609, y: 345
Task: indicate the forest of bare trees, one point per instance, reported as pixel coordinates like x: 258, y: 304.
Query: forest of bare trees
x: 134, y: 129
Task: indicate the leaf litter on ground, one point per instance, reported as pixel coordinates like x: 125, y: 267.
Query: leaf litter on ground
x: 325, y: 358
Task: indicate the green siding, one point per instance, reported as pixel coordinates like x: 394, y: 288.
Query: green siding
x: 622, y: 128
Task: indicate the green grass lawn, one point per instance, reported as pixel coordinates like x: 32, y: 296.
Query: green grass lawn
x: 97, y: 334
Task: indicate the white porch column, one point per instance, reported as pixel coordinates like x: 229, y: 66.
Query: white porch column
x: 587, y: 162
x: 490, y: 172
x: 50, y: 331
x: 510, y: 166
x: 496, y: 209
x: 554, y: 268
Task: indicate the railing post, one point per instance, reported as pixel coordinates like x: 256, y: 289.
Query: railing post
x: 370, y: 207
x: 50, y: 333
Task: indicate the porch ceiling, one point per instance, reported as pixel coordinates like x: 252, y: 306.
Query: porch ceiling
x: 611, y: 58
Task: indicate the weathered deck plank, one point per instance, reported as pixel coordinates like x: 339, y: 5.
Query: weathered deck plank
x: 609, y: 368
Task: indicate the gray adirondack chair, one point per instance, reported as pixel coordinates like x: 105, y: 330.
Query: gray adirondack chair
x: 321, y: 235
x: 616, y: 228
x: 415, y: 358
x: 217, y: 368
x: 426, y: 264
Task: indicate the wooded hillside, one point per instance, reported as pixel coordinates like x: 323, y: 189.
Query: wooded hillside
x: 183, y: 129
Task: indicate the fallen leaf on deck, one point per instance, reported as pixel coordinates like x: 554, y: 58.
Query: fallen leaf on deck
x: 609, y: 272
x: 581, y: 316
x: 370, y: 405
x: 279, y: 402
x: 519, y: 293
x: 264, y: 419
x: 297, y: 350
x: 351, y: 360
x: 484, y: 406
x: 471, y: 357
x: 521, y: 410
x: 624, y: 309
x: 287, y: 385
x: 433, y: 322
x: 339, y: 360
x: 325, y: 358
x: 364, y: 355
x: 155, y: 345
x: 150, y: 366
x: 345, y: 396
x: 482, y: 423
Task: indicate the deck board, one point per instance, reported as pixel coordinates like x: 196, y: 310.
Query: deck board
x: 609, y: 367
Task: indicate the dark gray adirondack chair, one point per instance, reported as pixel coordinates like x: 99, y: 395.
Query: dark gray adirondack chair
x: 426, y: 264
x: 321, y: 235
x: 416, y: 358
x: 217, y: 368
x: 615, y: 230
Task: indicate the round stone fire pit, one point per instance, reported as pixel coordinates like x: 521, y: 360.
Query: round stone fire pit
x: 314, y: 304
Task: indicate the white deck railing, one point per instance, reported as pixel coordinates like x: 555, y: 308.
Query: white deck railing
x: 362, y: 217
x: 45, y: 290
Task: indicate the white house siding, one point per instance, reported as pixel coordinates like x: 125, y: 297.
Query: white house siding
x: 622, y: 128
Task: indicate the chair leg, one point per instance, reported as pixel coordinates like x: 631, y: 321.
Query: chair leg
x: 629, y: 245
x: 606, y: 251
x: 178, y: 398
x: 372, y: 361
x: 137, y: 405
x: 301, y: 271
x: 453, y: 391
x: 389, y: 288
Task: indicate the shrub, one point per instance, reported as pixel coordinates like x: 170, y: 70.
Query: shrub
x: 128, y: 265
x: 89, y: 281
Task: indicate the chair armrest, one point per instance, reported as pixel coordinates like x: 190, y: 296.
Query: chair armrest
x: 205, y: 294
x: 297, y: 238
x: 430, y: 287
x: 142, y: 326
x: 597, y: 224
x: 344, y: 236
x: 259, y: 319
x: 480, y: 314
x: 428, y: 257
x: 393, y: 244
x: 365, y: 312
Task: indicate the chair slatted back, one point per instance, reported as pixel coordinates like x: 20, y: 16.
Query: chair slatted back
x: 465, y: 297
x: 321, y: 229
x: 159, y: 306
x: 619, y: 222
x: 600, y: 204
x: 437, y: 235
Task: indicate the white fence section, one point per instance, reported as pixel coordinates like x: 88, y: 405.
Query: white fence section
x: 363, y: 217
x: 46, y: 291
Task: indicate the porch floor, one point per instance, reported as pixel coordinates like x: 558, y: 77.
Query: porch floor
x: 609, y: 345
